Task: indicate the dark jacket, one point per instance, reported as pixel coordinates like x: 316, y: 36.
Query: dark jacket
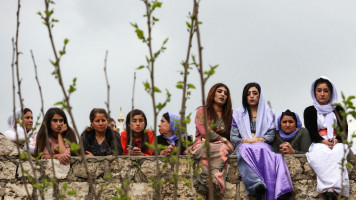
x: 300, y: 142
x: 310, y: 122
x: 107, y: 147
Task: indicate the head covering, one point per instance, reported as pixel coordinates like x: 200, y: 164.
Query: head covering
x: 288, y: 137
x: 174, y: 120
x: 326, y: 109
x: 11, y: 120
x: 265, y: 119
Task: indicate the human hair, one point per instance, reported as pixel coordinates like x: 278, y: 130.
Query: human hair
x: 25, y: 110
x: 323, y: 80
x: 92, y: 116
x: 289, y: 113
x: 226, y: 110
x: 166, y: 116
x: 144, y: 137
x: 245, y: 94
x: 111, y: 120
x: 46, y: 127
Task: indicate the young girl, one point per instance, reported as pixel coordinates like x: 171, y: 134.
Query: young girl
x: 55, y: 123
x: 134, y: 138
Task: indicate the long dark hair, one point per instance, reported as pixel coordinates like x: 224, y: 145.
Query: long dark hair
x: 144, y: 137
x: 46, y: 126
x: 245, y: 94
x: 328, y: 83
x: 226, y: 111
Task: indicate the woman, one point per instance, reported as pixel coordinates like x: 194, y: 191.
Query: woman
x: 253, y: 128
x: 55, y: 124
x: 327, y: 149
x: 26, y: 118
x: 291, y: 137
x: 219, y: 116
x: 99, y: 139
x: 134, y: 138
x: 169, y: 129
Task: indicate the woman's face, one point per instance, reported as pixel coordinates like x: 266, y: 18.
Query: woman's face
x: 112, y: 125
x: 220, y: 95
x: 322, y: 93
x: 137, y: 123
x: 288, y: 124
x: 164, y: 127
x: 28, y: 120
x: 57, y: 122
x: 253, y: 96
x: 99, y: 123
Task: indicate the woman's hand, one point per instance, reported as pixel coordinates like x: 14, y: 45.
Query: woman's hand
x: 168, y: 151
x: 136, y: 152
x: 286, y: 148
x: 63, y: 129
x: 88, y: 153
x: 63, y: 159
x: 330, y: 143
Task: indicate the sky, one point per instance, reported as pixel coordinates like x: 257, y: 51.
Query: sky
x: 284, y: 45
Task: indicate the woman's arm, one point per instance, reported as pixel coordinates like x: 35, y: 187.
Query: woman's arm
x: 269, y: 136
x: 199, y: 118
x: 61, y: 144
x: 305, y: 142
x: 310, y: 121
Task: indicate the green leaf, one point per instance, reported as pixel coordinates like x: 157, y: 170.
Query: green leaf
x: 61, y: 196
x: 156, y: 5
x: 72, y: 192
x: 191, y: 86
x: 156, y: 89
x: 66, y: 41
x: 140, y: 67
x: 140, y: 34
x: 65, y: 186
x: 36, y: 185
x: 188, y: 24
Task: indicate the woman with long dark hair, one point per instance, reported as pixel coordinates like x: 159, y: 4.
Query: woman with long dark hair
x: 219, y: 116
x: 99, y: 139
x: 55, y: 124
x: 327, y: 150
x: 135, y: 136
x: 264, y: 173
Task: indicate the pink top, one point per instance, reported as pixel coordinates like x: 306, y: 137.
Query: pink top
x: 55, y: 147
x: 199, y: 126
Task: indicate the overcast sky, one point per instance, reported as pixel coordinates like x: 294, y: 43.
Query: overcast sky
x: 283, y: 45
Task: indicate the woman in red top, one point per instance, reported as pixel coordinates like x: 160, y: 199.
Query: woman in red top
x: 135, y: 136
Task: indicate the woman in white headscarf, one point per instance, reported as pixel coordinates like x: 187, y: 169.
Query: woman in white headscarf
x: 264, y: 173
x: 327, y: 149
x: 18, y: 136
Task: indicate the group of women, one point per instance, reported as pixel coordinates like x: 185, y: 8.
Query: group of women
x: 253, y: 133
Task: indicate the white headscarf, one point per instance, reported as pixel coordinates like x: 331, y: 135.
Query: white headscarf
x: 10, y: 133
x: 265, y: 119
x: 328, y: 109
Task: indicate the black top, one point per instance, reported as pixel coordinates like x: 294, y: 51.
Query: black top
x: 310, y: 122
x: 107, y: 147
x: 165, y: 142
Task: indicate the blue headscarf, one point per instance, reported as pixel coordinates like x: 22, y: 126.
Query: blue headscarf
x: 173, y: 126
x: 288, y: 137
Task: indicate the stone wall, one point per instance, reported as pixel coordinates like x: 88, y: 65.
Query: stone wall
x: 138, y: 170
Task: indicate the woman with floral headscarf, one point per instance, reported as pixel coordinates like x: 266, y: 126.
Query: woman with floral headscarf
x: 327, y: 149
x: 291, y: 137
x: 169, y: 129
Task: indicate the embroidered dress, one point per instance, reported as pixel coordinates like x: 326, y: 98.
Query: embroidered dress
x: 219, y: 152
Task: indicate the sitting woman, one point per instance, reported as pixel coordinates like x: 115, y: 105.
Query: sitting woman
x: 134, y: 138
x: 19, y: 139
x: 327, y: 149
x: 99, y: 139
x: 264, y: 173
x: 291, y: 137
x: 219, y: 116
x: 55, y: 123
x: 168, y: 128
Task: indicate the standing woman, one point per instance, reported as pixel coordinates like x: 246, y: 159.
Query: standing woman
x: 219, y: 116
x: 135, y: 136
x: 55, y: 123
x: 327, y: 149
x: 264, y: 173
x: 99, y: 139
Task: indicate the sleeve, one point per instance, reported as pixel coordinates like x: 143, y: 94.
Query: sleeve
x: 276, y: 142
x: 10, y: 135
x: 339, y: 110
x: 200, y: 130
x: 310, y: 121
x: 269, y: 136
x: 305, y: 142
x: 235, y: 137
x: 150, y: 140
x: 123, y: 139
x: 85, y: 143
